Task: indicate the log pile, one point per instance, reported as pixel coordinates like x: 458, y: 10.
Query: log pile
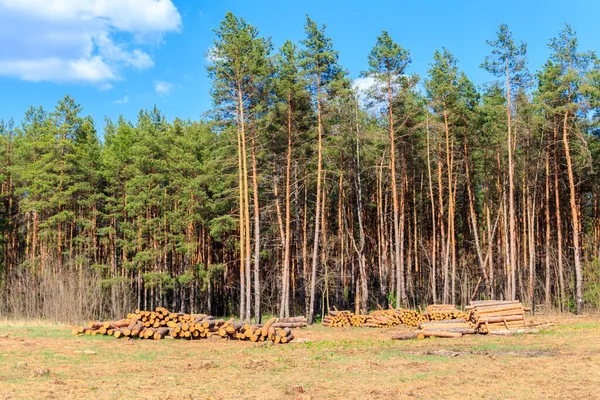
x: 343, y: 318
x: 392, y: 317
x: 442, y: 312
x: 375, y: 319
x: 161, y: 323
x: 494, y: 315
x: 453, y: 328
x: 292, y: 322
x: 485, y: 317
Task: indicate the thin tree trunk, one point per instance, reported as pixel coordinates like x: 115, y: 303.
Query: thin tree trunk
x: 433, y: 229
x: 402, y: 269
x: 511, y: 192
x: 359, y: 211
x: 315, y: 254
x: 285, y: 306
x: 443, y: 244
x: 397, y: 254
x: 473, y: 214
x: 451, y: 247
x: 548, y: 300
x: 574, y: 217
x: 561, y: 273
x: 242, y: 222
x: 257, y: 314
x: 531, y: 215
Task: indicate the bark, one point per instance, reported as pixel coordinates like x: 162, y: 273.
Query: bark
x: 285, y: 311
x: 315, y: 255
x: 559, y: 240
x: 451, y: 248
x: 472, y: 212
x: 547, y: 298
x: 242, y: 223
x: 511, y: 194
x: 399, y: 274
x: 361, y: 231
x: 433, y: 227
x: 257, y: 314
x: 574, y: 218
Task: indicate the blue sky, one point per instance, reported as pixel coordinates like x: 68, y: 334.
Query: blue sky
x: 119, y: 56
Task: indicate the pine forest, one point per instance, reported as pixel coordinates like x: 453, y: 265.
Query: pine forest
x: 297, y: 192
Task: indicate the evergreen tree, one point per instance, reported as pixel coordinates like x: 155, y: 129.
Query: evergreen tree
x: 319, y: 62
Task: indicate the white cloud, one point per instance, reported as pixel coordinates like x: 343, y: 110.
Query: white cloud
x: 211, y: 55
x: 124, y: 100
x: 161, y: 87
x: 92, y: 69
x: 364, y: 84
x: 81, y: 40
x: 371, y: 93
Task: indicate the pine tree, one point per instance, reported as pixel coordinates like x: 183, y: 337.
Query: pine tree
x: 319, y: 62
x: 508, y: 60
x: 238, y: 72
x: 387, y: 64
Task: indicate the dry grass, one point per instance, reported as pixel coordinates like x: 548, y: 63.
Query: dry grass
x: 44, y: 361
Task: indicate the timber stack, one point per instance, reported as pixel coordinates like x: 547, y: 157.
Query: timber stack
x: 375, y: 319
x: 494, y: 315
x: 291, y: 322
x: 485, y: 317
x: 449, y: 328
x: 161, y: 323
x: 442, y: 312
x: 394, y: 317
x: 343, y: 318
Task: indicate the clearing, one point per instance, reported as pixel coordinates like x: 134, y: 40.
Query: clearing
x: 40, y: 360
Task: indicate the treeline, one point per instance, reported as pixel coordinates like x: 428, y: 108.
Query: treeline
x: 297, y: 193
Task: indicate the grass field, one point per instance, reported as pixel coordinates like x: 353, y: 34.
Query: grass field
x: 46, y: 361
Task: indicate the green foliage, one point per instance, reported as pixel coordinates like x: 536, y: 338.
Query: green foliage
x: 388, y: 60
x: 591, y: 287
x: 162, y: 280
x: 153, y: 203
x: 507, y: 59
x: 318, y: 59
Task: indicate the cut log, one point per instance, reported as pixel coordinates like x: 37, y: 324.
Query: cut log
x: 511, y: 332
x: 441, y: 334
x: 267, y: 326
x: 405, y: 336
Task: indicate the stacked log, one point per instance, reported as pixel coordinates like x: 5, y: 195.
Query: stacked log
x: 486, y: 317
x: 494, y: 315
x: 394, y: 317
x: 291, y: 322
x: 343, y: 318
x: 375, y: 319
x: 442, y: 312
x: 161, y: 323
x: 454, y: 328
x: 459, y: 325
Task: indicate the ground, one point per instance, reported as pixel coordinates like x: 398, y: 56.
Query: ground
x: 40, y: 360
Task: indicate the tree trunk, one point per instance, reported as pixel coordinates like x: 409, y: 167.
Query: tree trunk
x: 561, y: 273
x: 285, y: 306
x: 548, y: 300
x: 451, y: 248
x: 257, y: 316
x: 433, y: 229
x: 361, y: 247
x: 511, y: 193
x: 473, y: 213
x: 242, y: 222
x: 574, y: 217
x: 315, y: 255
x: 397, y: 254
